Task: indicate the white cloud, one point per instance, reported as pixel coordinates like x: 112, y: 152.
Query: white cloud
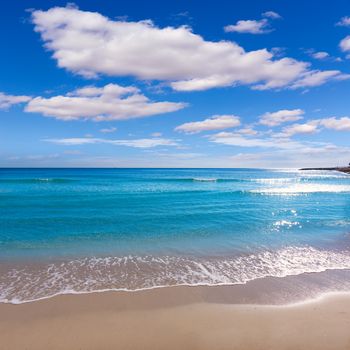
x: 74, y: 141
x: 6, y: 101
x: 249, y: 26
x: 261, y: 26
x: 278, y: 150
x: 234, y: 139
x: 281, y: 116
x: 90, y: 44
x: 108, y: 130
x: 136, y: 143
x: 321, y: 55
x: 345, y: 44
x: 216, y: 122
x: 146, y: 143
x: 313, y: 126
x: 271, y: 14
x: 111, y: 102
x: 344, y: 22
x: 282, y: 139
x: 317, y: 78
x: 339, y: 124
x: 307, y: 128
x: 310, y: 78
x: 247, y: 131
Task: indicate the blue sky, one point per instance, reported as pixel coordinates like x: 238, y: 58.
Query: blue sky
x: 160, y: 84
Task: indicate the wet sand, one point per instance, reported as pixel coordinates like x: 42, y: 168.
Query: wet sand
x: 175, y: 318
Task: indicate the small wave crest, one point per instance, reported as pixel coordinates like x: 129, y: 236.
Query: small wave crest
x: 130, y: 273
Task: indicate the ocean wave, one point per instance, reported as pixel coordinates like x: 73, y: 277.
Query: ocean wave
x: 191, y: 179
x: 210, y: 179
x: 204, y: 179
x: 131, y: 273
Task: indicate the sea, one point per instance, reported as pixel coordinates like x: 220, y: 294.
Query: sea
x: 88, y: 230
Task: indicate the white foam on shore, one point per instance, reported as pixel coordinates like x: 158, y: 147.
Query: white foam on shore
x: 131, y: 273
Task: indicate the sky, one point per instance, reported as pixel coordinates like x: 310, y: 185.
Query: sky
x: 244, y: 83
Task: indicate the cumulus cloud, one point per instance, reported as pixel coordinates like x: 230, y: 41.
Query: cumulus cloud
x: 90, y: 44
x: 281, y: 143
x: 271, y: 14
x: 344, y: 22
x: 247, y: 131
x: 339, y: 124
x: 281, y: 116
x: 249, y: 26
x: 306, y: 128
x: 345, y: 44
x: 317, y: 78
x: 111, y: 102
x: 261, y: 26
x: 6, y: 101
x: 136, y: 143
x: 283, y: 139
x: 216, y: 122
x: 320, y: 55
x: 313, y: 126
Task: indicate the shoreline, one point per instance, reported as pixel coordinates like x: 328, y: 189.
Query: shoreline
x: 174, y: 318
x: 306, y: 311
x: 31, y: 282
x: 118, y: 293
x: 268, y: 290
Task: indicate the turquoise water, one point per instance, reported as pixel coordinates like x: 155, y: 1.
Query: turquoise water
x: 77, y: 230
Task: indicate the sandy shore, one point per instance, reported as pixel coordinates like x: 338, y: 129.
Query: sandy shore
x: 173, y: 318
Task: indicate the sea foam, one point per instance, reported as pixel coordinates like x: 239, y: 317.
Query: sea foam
x: 131, y: 273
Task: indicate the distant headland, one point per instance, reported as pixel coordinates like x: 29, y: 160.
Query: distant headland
x: 344, y: 169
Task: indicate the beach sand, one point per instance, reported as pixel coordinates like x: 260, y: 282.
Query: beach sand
x: 174, y: 318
